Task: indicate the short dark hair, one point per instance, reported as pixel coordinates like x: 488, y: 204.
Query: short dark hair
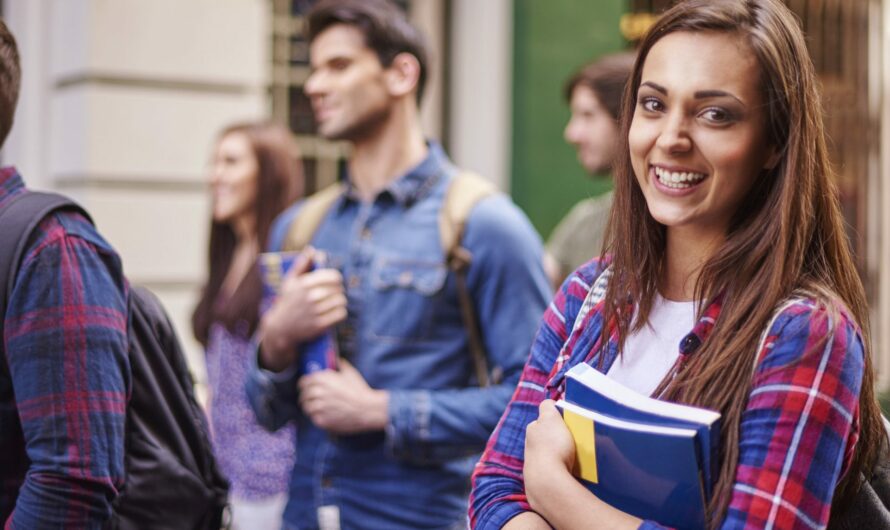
x: 607, y: 77
x: 10, y: 79
x: 384, y: 25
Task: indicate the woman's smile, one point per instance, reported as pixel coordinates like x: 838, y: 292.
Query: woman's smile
x: 676, y: 181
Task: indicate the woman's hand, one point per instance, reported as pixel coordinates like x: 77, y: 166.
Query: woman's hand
x: 549, y: 457
x: 552, y: 491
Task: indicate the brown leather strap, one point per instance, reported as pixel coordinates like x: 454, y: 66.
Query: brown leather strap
x: 464, y: 192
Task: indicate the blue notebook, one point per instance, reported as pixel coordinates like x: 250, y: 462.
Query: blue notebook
x: 650, y: 458
x: 588, y: 387
x: 651, y: 472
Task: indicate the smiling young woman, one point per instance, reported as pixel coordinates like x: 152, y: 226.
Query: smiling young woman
x: 725, y: 232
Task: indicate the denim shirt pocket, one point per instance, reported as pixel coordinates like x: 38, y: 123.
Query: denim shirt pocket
x: 405, y: 292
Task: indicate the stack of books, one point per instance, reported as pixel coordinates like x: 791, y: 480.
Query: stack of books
x: 652, y: 459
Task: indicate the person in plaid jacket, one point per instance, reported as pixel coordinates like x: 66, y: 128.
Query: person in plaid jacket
x: 64, y: 370
x: 725, y: 238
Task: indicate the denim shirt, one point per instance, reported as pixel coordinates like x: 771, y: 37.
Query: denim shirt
x: 404, y: 333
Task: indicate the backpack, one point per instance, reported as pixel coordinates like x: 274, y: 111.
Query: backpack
x: 172, y: 480
x: 464, y: 191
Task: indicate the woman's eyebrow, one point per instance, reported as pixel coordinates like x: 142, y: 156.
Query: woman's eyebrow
x: 704, y: 94
x: 700, y: 94
x: 655, y: 86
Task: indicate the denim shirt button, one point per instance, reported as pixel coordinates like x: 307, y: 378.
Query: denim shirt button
x: 354, y: 282
x: 326, y: 482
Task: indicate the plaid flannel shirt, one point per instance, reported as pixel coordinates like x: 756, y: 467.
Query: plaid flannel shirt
x: 64, y: 377
x: 797, y: 435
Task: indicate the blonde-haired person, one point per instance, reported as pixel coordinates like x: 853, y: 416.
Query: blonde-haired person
x: 725, y: 225
x: 255, y: 173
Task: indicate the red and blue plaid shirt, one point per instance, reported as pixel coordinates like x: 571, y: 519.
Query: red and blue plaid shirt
x: 64, y: 377
x: 797, y: 435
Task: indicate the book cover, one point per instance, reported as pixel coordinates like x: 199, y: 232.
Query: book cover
x: 591, y: 389
x: 648, y: 471
x: 317, y: 354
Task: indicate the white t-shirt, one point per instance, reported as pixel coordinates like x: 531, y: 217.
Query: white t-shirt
x: 650, y: 352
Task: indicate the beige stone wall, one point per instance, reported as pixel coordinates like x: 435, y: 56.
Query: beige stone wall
x: 121, y: 103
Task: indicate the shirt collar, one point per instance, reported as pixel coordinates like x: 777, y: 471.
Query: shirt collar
x: 417, y: 182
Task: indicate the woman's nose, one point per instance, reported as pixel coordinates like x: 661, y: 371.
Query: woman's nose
x: 674, y: 136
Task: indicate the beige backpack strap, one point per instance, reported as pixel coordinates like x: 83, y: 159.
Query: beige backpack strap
x: 310, y: 216
x: 464, y: 191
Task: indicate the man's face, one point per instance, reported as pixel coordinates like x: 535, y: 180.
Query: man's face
x: 591, y: 130
x: 347, y: 87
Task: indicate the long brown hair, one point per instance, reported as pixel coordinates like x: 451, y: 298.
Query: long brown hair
x: 279, y: 182
x: 788, y: 234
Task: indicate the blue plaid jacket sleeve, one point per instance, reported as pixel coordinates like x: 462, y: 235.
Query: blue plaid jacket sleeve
x: 66, y: 347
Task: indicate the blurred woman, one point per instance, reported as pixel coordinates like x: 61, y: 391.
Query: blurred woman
x: 255, y: 174
x: 728, y: 284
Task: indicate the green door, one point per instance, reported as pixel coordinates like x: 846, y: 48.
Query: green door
x: 552, y: 38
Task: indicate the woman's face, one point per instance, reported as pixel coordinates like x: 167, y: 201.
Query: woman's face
x: 698, y: 137
x: 233, y: 179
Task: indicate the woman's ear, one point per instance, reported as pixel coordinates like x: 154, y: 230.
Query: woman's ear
x: 403, y: 74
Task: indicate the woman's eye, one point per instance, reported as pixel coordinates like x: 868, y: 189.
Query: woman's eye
x: 651, y: 104
x: 716, y: 115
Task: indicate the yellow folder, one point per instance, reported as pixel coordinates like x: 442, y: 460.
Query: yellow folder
x: 582, y: 430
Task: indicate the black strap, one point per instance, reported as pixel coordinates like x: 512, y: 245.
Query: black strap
x: 18, y: 219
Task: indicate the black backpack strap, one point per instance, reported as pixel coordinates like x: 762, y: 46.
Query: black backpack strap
x: 18, y: 219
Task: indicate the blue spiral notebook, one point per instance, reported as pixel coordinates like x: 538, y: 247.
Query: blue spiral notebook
x: 650, y: 458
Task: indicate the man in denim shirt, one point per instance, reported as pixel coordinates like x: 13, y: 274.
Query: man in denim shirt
x: 389, y: 440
